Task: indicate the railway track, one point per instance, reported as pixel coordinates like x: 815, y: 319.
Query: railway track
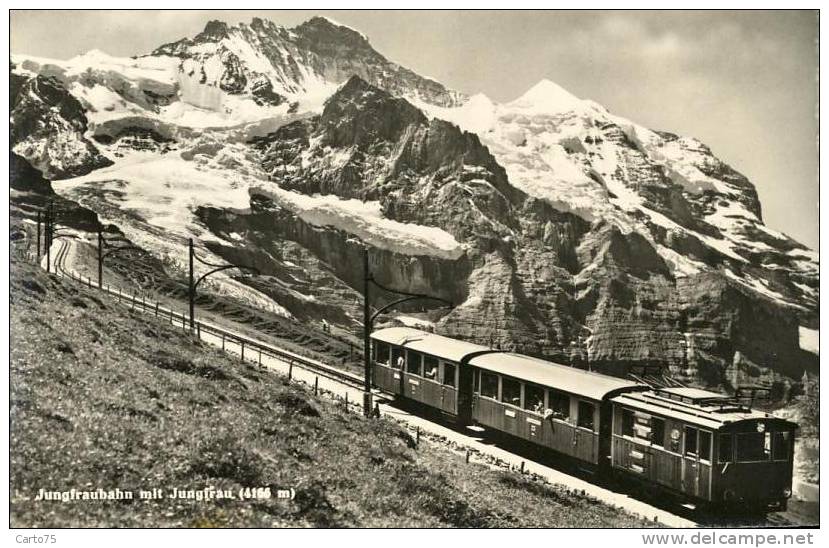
x: 262, y: 353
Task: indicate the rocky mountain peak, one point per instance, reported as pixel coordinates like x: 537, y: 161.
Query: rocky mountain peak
x: 213, y: 32
x: 324, y: 29
x: 360, y: 114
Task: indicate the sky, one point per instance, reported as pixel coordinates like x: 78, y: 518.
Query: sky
x: 744, y: 83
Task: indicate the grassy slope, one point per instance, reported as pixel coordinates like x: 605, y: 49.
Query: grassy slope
x: 103, y: 397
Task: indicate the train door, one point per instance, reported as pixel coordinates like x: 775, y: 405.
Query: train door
x: 690, y: 462
x: 583, y: 435
x: 605, y: 434
x: 465, y: 390
x: 399, y: 367
x: 448, y: 387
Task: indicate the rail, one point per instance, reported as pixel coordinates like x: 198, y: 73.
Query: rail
x: 201, y: 328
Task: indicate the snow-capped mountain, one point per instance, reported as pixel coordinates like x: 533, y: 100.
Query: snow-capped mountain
x: 559, y: 227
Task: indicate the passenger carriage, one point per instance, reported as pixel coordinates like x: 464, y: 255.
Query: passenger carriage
x: 708, y: 447
x: 698, y: 445
x: 561, y: 408
x: 430, y: 372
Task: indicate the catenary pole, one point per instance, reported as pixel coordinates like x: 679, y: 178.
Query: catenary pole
x: 366, y: 334
x: 100, y: 259
x: 192, y: 289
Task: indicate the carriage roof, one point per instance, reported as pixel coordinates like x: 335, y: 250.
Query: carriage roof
x: 428, y: 343
x: 695, y: 406
x: 553, y: 375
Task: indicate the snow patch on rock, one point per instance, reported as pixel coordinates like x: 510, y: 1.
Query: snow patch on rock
x: 365, y: 220
x: 809, y: 340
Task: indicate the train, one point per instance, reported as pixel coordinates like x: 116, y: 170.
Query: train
x: 701, y: 447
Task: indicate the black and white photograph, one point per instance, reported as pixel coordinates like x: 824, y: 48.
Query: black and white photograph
x: 414, y: 269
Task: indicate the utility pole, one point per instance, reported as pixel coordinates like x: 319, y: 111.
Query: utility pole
x: 100, y: 259
x: 49, y: 220
x: 38, y: 234
x: 191, y: 289
x: 366, y: 336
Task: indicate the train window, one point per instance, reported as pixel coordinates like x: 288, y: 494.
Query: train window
x: 753, y: 446
x: 414, y: 364
x: 534, y: 398
x: 627, y: 422
x: 691, y: 446
x: 726, y: 448
x: 705, y: 445
x: 430, y: 367
x: 780, y: 445
x: 510, y: 391
x: 449, y: 374
x: 381, y: 353
x: 489, y: 385
x: 585, y: 418
x: 560, y: 404
x: 397, y: 359
x: 658, y: 432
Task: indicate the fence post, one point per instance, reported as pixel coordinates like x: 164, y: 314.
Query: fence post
x: 242, y: 343
x: 467, y: 455
x: 198, y: 331
x: 522, y: 466
x: 156, y: 308
x: 260, y: 357
x: 346, y: 401
x: 316, y: 385
x: 223, y: 342
x: 290, y: 370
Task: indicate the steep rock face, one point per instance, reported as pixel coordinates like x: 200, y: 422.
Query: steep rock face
x: 368, y: 144
x: 319, y: 268
x: 341, y: 52
x: 48, y: 126
x: 25, y: 178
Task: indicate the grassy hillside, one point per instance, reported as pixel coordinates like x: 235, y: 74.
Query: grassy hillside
x: 104, y: 397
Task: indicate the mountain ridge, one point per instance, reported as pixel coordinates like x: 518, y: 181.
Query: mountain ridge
x: 575, y: 231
